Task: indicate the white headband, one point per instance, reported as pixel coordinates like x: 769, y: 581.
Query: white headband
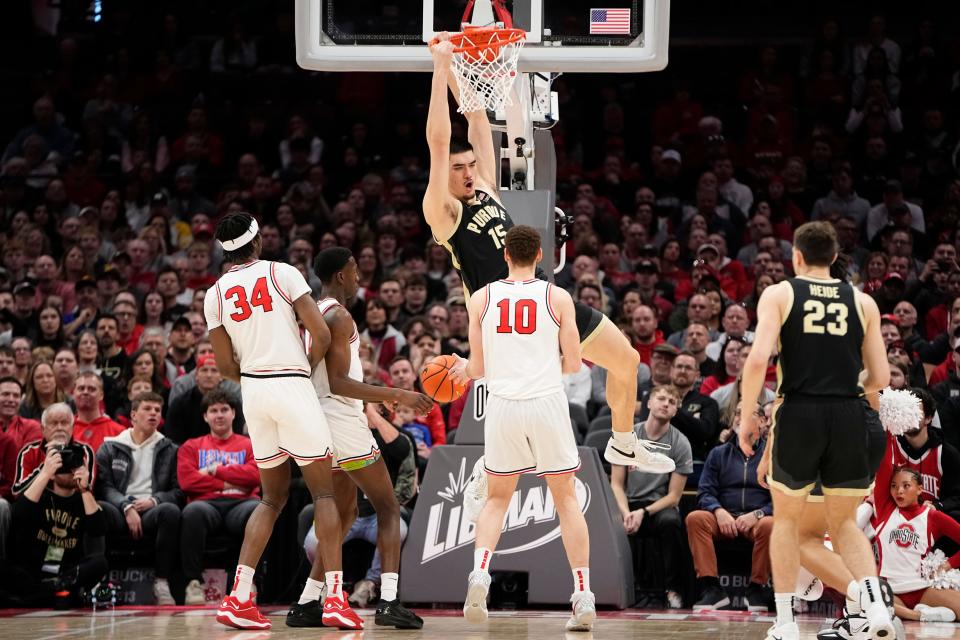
x: 247, y: 236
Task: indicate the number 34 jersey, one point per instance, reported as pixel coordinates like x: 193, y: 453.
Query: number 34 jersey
x: 821, y: 340
x: 521, y: 343
x: 254, y: 303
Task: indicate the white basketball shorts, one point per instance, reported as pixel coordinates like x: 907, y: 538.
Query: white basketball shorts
x: 529, y: 436
x: 353, y: 444
x: 284, y: 419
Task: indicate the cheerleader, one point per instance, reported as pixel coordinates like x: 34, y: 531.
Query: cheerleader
x: 905, y: 533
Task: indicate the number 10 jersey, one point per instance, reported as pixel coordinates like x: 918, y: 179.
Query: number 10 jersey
x: 821, y: 340
x: 254, y: 303
x: 521, y: 340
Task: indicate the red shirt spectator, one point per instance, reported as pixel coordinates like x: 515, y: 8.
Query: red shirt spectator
x: 22, y: 430
x: 402, y: 376
x: 90, y: 425
x: 211, y: 467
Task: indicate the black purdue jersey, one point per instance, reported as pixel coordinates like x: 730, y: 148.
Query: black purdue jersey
x: 476, y: 245
x: 821, y: 340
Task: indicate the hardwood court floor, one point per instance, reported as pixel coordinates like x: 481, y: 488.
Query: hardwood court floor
x: 181, y: 623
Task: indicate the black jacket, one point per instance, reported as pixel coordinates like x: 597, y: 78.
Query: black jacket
x: 115, y: 467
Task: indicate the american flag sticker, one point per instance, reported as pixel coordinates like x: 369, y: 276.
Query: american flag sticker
x: 604, y: 21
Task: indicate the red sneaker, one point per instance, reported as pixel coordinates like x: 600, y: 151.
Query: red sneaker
x: 337, y: 613
x: 241, y: 615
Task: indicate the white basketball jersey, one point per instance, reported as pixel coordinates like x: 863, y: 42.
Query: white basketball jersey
x: 901, y: 545
x: 321, y: 381
x: 521, y: 344
x: 254, y: 303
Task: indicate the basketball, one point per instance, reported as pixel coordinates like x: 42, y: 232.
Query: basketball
x: 436, y: 382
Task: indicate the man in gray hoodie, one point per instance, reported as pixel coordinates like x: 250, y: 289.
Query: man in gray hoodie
x: 137, y: 487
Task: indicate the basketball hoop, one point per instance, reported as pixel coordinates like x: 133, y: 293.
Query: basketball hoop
x: 485, y: 66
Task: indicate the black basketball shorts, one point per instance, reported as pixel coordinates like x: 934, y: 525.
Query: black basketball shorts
x: 588, y: 321
x: 876, y: 447
x: 821, y: 438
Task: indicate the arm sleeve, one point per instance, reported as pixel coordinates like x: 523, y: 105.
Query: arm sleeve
x: 397, y: 450
x: 105, y: 489
x: 213, y: 307
x: 882, y: 502
x: 191, y: 480
x: 289, y: 281
x: 943, y: 525
x: 438, y: 430
x: 707, y: 497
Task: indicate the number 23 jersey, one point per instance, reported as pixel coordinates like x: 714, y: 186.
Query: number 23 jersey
x: 821, y: 340
x: 254, y: 303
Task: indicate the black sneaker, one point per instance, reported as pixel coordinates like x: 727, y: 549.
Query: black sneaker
x: 394, y: 614
x: 757, y: 598
x: 713, y: 598
x: 305, y: 615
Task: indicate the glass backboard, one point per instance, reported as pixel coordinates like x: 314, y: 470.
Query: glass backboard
x: 623, y: 36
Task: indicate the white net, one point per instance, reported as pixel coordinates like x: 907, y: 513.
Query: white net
x: 486, y: 70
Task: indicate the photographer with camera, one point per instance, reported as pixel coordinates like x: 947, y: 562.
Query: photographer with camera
x: 57, y: 429
x: 58, y: 527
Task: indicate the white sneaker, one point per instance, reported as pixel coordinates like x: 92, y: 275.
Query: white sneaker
x: 881, y: 624
x: 935, y: 614
x: 584, y: 611
x: 475, y: 493
x: 475, y: 606
x: 788, y: 631
x: 639, y: 454
x: 363, y: 593
x: 193, y: 595
x: 161, y: 592
x: 848, y: 627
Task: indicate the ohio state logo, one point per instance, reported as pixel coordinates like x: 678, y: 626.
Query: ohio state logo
x: 905, y: 536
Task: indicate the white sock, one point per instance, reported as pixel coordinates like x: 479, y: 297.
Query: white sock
x: 624, y: 437
x: 853, y: 598
x: 388, y: 586
x: 870, y: 593
x: 312, y: 591
x: 481, y: 559
x: 334, y: 584
x: 784, y: 603
x: 243, y: 583
x: 581, y: 579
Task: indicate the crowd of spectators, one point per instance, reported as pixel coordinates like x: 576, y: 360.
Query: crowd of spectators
x: 140, y: 137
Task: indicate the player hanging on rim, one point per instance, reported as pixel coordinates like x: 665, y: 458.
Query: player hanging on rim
x: 338, y: 382
x: 523, y: 338
x: 252, y: 312
x: 465, y: 215
x: 828, y: 333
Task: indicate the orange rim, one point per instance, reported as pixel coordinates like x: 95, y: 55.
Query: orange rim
x: 476, y: 39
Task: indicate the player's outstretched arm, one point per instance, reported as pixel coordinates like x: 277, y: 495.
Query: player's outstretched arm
x: 480, y: 136
x: 337, y: 361
x: 306, y: 309
x: 438, y: 204
x: 770, y: 312
x: 562, y: 305
x: 223, y: 351
x: 874, y: 352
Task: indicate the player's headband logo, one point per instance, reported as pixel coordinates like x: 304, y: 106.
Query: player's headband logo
x: 247, y: 236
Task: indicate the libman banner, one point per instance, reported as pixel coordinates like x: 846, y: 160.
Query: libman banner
x: 438, y: 553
